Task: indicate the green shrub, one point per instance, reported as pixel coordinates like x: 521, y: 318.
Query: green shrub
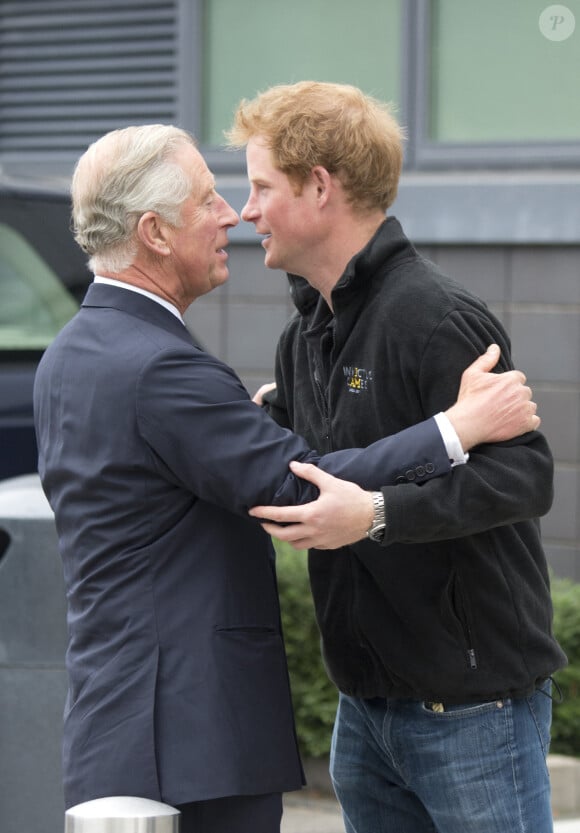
x: 566, y: 714
x: 314, y: 696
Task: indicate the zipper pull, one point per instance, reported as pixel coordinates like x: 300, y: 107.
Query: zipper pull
x: 472, y: 659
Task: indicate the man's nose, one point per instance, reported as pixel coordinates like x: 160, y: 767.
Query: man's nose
x: 248, y: 212
x: 234, y: 217
x: 230, y: 216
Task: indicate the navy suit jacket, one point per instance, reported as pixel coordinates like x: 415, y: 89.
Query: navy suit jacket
x: 151, y: 453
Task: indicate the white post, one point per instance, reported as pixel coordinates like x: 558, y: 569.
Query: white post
x: 122, y: 814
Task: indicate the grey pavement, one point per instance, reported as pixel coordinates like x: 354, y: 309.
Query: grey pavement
x: 305, y: 813
x: 312, y: 813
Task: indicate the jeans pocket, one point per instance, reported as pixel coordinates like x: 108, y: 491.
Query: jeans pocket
x: 540, y: 705
x: 462, y: 711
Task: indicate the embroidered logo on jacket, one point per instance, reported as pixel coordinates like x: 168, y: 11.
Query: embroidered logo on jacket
x: 357, y: 378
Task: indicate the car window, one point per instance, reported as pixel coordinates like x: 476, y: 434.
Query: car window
x: 34, y: 304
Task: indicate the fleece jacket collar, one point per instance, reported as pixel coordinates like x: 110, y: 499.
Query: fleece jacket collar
x: 388, y: 245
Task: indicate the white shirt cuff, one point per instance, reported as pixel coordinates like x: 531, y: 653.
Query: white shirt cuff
x: 457, y: 456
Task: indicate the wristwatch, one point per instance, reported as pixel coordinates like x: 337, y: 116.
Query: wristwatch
x: 376, y: 531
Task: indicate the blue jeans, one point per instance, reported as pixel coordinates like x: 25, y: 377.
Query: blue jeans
x: 398, y: 766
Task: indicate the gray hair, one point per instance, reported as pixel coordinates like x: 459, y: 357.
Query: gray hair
x: 121, y: 176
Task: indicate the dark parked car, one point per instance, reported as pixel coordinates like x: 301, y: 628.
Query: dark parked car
x: 43, y: 278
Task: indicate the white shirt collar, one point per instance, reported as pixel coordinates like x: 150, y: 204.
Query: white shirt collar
x: 167, y: 304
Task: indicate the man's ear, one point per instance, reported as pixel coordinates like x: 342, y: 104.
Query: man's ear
x: 152, y: 232
x: 323, y: 183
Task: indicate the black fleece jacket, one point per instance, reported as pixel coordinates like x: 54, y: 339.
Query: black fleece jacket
x: 455, y: 605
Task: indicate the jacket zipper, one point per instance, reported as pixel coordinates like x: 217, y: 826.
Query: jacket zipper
x: 324, y: 410
x: 460, y: 610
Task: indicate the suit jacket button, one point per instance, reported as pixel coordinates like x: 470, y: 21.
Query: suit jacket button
x: 429, y: 468
x: 410, y: 474
x: 420, y: 471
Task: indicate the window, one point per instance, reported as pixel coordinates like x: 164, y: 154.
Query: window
x: 496, y: 77
x: 251, y: 46
x: 493, y: 86
x: 34, y: 304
